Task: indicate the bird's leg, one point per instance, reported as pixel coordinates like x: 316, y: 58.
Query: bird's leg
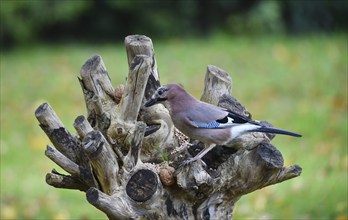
x: 199, y: 155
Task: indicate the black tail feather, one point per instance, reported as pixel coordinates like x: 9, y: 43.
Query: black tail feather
x: 276, y: 131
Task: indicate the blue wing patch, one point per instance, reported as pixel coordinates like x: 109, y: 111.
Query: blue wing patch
x: 230, y: 120
x: 213, y: 124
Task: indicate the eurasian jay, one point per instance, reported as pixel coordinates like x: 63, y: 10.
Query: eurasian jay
x: 202, y: 121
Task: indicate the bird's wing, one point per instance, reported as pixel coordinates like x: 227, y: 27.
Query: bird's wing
x: 209, y: 116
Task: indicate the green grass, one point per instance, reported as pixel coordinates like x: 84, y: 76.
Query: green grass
x: 297, y: 83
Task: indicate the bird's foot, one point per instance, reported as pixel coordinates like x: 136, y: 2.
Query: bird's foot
x: 186, y: 163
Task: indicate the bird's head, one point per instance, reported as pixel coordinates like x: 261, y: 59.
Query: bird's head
x: 165, y: 93
x: 159, y: 96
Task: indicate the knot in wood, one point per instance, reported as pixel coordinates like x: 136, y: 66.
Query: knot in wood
x: 142, y: 185
x: 119, y: 130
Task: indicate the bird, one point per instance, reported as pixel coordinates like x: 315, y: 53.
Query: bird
x: 205, y: 122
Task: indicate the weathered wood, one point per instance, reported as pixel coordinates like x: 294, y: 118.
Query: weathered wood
x: 243, y: 173
x: 142, y: 185
x: 284, y: 174
x: 160, y: 129
x: 142, y: 45
x: 161, y: 142
x: 133, y: 156
x: 61, y: 160
x: 54, y: 128
x: 134, y: 90
x: 98, y: 92
x: 65, y: 182
x: 96, y: 79
x: 217, y: 82
x: 122, y: 126
x: 103, y: 161
x: 130, y: 186
x: 82, y: 126
x: 115, y: 207
x: 68, y: 146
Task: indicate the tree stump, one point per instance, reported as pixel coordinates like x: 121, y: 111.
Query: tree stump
x: 126, y: 157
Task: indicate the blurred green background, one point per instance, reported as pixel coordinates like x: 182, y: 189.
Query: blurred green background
x: 287, y: 60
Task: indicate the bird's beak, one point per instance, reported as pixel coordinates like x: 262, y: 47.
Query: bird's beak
x: 150, y: 102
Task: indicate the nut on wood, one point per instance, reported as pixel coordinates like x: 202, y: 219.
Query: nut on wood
x: 119, y: 93
x: 167, y: 176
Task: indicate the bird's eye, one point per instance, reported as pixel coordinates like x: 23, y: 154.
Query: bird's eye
x: 161, y: 91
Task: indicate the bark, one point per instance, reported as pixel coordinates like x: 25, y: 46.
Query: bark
x: 127, y: 158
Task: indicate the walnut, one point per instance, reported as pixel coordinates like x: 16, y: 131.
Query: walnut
x: 167, y: 175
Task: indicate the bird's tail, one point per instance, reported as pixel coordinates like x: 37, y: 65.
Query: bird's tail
x: 275, y: 131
